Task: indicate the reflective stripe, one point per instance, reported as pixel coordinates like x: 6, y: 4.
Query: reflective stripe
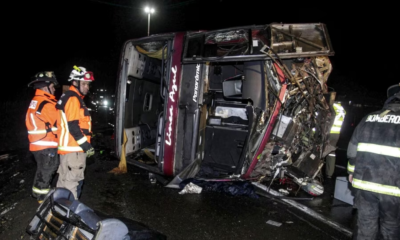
x: 332, y: 155
x: 65, y: 131
x: 340, y: 114
x: 62, y: 129
x: 335, y: 129
x: 45, y: 143
x: 33, y: 122
x: 379, y: 149
x: 82, y: 140
x: 375, y: 187
x: 339, y: 109
x: 69, y: 149
x: 37, y: 132
x: 40, y: 191
x: 338, y: 122
x: 338, y: 106
x: 350, y: 167
x: 42, y: 131
x: 90, y: 124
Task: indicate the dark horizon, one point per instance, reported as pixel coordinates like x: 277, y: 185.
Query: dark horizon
x: 55, y: 35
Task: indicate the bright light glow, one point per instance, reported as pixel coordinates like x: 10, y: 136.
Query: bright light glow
x: 105, y: 102
x: 149, y: 10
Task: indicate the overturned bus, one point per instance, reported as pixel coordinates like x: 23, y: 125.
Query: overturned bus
x: 244, y: 102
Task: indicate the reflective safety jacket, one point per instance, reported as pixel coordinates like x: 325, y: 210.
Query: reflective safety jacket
x: 75, y: 125
x: 374, y: 152
x: 41, y: 121
x: 339, y: 118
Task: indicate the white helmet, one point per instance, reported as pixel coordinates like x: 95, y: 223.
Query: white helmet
x: 80, y: 74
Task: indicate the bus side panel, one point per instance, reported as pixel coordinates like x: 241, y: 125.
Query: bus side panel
x: 188, y: 115
x: 172, y: 106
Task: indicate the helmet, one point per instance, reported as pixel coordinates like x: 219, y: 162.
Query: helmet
x: 393, y: 90
x: 80, y: 74
x: 43, y: 79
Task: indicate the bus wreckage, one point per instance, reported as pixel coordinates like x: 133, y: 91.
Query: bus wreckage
x: 242, y: 103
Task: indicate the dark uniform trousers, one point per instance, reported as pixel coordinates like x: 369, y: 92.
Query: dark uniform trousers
x: 47, y: 164
x: 374, y: 210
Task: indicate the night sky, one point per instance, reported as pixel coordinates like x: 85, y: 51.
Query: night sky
x: 55, y: 35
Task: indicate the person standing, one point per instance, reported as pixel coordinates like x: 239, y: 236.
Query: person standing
x: 374, y: 170
x: 41, y: 122
x: 330, y: 160
x: 75, y: 133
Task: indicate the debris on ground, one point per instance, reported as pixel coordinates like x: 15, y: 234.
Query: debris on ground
x: 191, y: 188
x: 7, y: 156
x: 233, y: 188
x: 8, y: 209
x: 15, y: 174
x: 274, y: 223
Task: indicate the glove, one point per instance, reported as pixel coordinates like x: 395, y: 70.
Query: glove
x: 87, y: 148
x: 90, y: 152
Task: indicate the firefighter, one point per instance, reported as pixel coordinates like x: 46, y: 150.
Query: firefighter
x: 75, y: 133
x: 334, y: 137
x: 374, y: 170
x: 41, y: 123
